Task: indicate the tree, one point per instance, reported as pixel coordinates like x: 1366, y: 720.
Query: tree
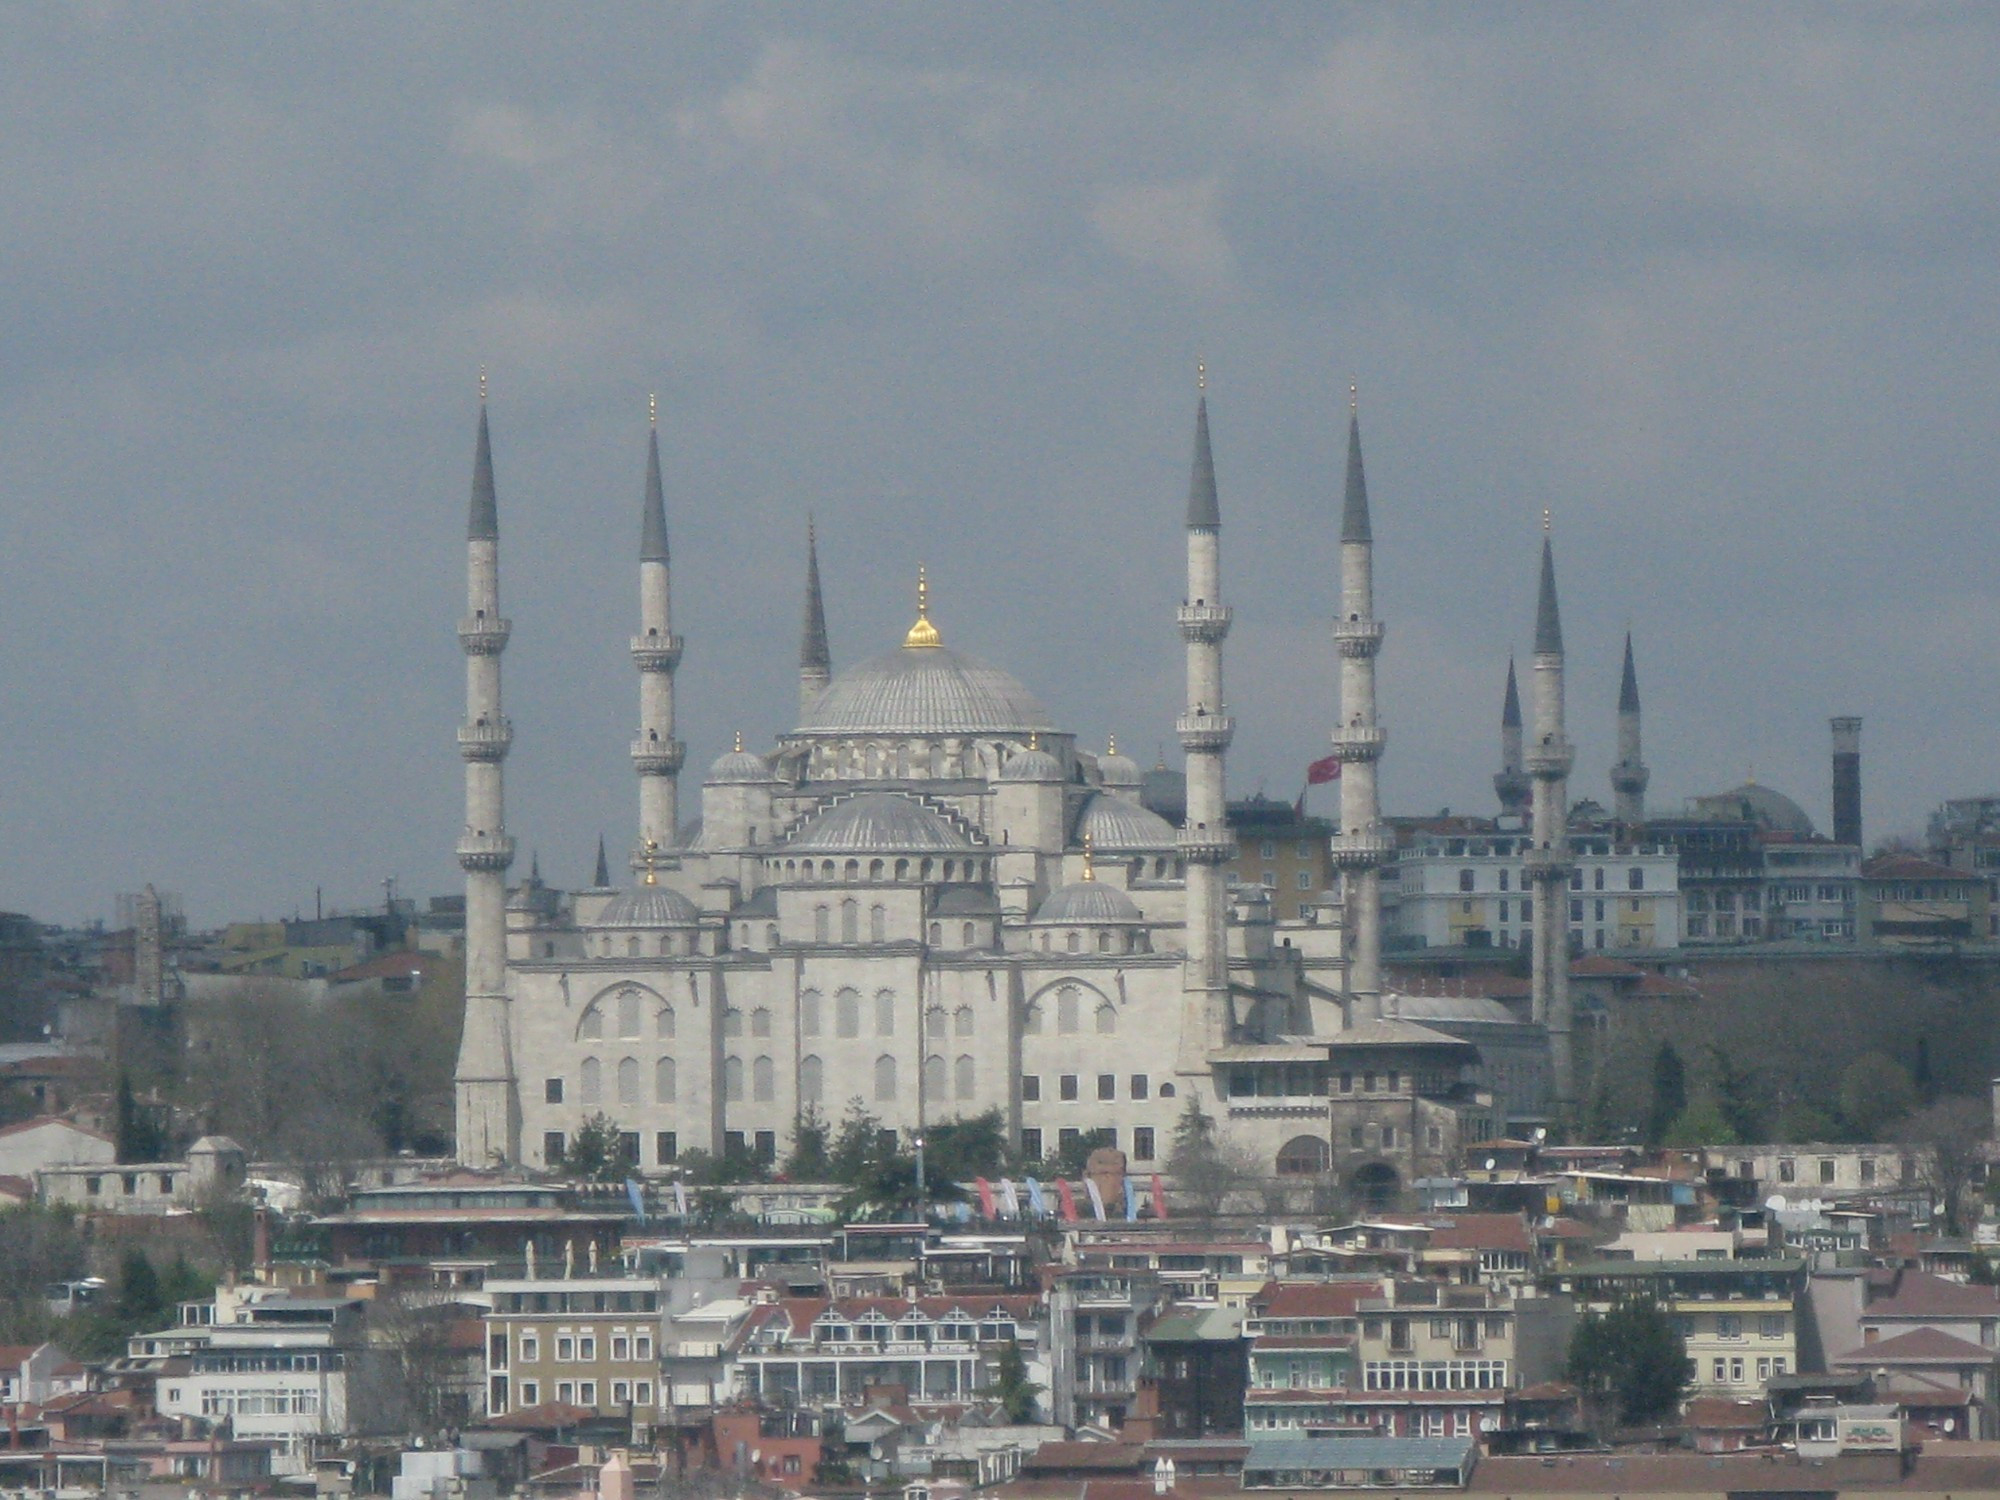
x: 411, y: 1386
x: 1203, y: 1169
x: 1669, y: 1093
x: 1874, y: 1090
x: 136, y: 1126
x: 140, y: 1305
x: 1011, y: 1387
x: 1946, y: 1144
x: 596, y: 1153
x: 811, y: 1159
x: 960, y: 1150
x: 1630, y: 1361
x: 858, y: 1145
x: 1737, y: 1095
x: 1702, y: 1123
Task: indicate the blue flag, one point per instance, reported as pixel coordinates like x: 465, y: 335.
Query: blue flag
x: 638, y: 1196
x: 1131, y: 1200
x: 1037, y: 1204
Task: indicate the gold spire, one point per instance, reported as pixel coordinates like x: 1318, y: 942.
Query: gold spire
x: 482, y: 385
x: 1354, y: 395
x: 653, y: 410
x: 739, y: 742
x: 1111, y: 744
x: 1089, y: 870
x: 1200, y: 374
x: 652, y: 849
x: 923, y: 633
x: 1545, y: 520
x: 1034, y: 739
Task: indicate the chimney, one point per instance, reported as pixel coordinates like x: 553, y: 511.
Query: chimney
x: 260, y: 1242
x: 1847, y: 781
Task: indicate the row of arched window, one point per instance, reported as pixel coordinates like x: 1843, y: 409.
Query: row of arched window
x: 628, y: 1078
x: 846, y: 1013
x: 903, y: 868
x: 1133, y: 940
x: 627, y: 1010
x: 962, y: 1078
x: 666, y: 945
x: 1069, y: 1015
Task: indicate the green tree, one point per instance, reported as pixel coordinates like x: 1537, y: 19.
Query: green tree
x: 1017, y: 1395
x: 811, y: 1158
x: 1702, y: 1123
x: 960, y: 1150
x: 595, y: 1153
x: 1947, y: 1146
x: 139, y: 1305
x: 1874, y: 1090
x: 1670, y: 1095
x: 1630, y: 1362
x: 1737, y: 1095
x: 136, y: 1126
x: 1203, y: 1169
x: 858, y: 1146
x: 1069, y: 1160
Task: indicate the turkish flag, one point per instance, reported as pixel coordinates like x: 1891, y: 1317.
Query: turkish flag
x: 1323, y: 771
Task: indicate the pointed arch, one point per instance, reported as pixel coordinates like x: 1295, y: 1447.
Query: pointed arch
x: 628, y: 1080
x: 812, y: 1080
x: 885, y: 1079
x: 732, y: 1080
x: 763, y: 1080
x: 666, y: 1081
x: 590, y: 1081
x: 965, y: 1077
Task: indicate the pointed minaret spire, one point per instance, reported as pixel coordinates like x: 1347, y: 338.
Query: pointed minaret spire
x: 1630, y: 775
x: 815, y: 657
x: 1548, y: 861
x: 656, y: 651
x: 487, y: 1103
x: 601, y: 878
x: 1361, y: 847
x: 1205, y: 730
x: 1511, y: 785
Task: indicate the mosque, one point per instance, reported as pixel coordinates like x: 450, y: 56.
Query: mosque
x: 930, y: 898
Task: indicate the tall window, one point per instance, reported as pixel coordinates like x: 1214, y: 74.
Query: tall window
x: 809, y: 1013
x: 628, y: 1080
x: 822, y: 932
x: 812, y: 1084
x: 850, y: 921
x: 665, y: 1081
x: 966, y: 1079
x: 847, y: 1012
x: 878, y: 925
x: 763, y: 1080
x: 934, y: 1079
x: 732, y: 1080
x: 885, y: 1078
x: 760, y: 1022
x: 1107, y: 1019
x: 663, y: 1021
x: 590, y: 1081
x: 963, y: 1020
x: 885, y: 1013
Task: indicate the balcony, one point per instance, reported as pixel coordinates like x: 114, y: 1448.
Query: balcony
x: 1202, y: 846
x: 656, y: 653
x: 1357, y: 638
x: 1203, y: 731
x: 1549, y: 758
x: 486, y: 740
x: 483, y: 635
x: 1545, y: 865
x: 485, y: 851
x: 1206, y: 623
x: 1352, y: 742
x: 1362, y: 851
x: 651, y: 757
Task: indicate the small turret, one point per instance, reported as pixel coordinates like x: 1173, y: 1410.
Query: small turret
x: 815, y: 658
x: 1629, y: 775
x: 1511, y: 786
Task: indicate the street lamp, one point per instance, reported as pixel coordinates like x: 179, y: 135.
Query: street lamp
x: 920, y: 1176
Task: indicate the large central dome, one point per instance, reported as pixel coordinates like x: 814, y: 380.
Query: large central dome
x: 925, y: 690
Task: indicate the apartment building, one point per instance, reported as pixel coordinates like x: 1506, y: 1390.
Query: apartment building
x: 815, y: 1349
x: 591, y: 1341
x: 1739, y: 1318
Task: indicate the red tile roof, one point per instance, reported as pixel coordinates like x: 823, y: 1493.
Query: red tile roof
x: 1483, y: 1232
x: 1724, y: 1413
x: 1919, y: 1294
x: 1920, y: 1346
x: 1312, y: 1299
x: 1910, y: 867
x: 41, y: 1120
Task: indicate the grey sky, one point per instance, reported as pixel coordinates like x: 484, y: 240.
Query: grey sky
x: 1715, y: 283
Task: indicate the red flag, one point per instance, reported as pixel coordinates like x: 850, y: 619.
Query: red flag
x: 1159, y: 1198
x: 1068, y: 1200
x: 985, y: 1197
x: 1323, y: 771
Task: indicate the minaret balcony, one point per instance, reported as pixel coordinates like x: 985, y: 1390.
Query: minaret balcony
x: 1205, y: 623
x: 1549, y: 758
x: 1206, y: 846
x: 1630, y: 776
x: 485, y: 851
x: 484, y: 635
x: 487, y: 739
x: 1205, y: 732
x: 656, y: 653
x: 1357, y: 638
x: 1363, y: 851
x: 1352, y: 742
x: 1548, y: 866
x: 657, y: 757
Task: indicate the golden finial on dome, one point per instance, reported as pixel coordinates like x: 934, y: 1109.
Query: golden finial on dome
x: 1111, y: 744
x: 482, y: 385
x: 653, y: 410
x: 739, y: 742
x: 652, y: 849
x: 1089, y: 870
x: 923, y: 633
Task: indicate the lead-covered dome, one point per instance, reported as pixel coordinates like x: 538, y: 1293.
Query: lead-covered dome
x: 1114, y: 825
x: 877, y: 823
x: 925, y: 690
x: 738, y: 766
x: 1088, y: 903
x: 649, y: 906
x: 1033, y: 764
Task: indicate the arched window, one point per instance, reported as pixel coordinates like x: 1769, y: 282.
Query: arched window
x: 732, y: 1022
x: 666, y: 945
x: 934, y: 1021
x: 760, y: 1022
x: 628, y: 1080
x: 1303, y: 1156
x: 934, y: 1079
x: 663, y: 1021
x: 732, y: 1080
x: 963, y: 1020
x: 878, y: 924
x: 885, y: 1013
x: 591, y: 1027
x: 853, y: 869
x: 763, y: 1080
x: 971, y: 936
x: 628, y: 1013
x: 1074, y: 941
x: 902, y: 869
x: 821, y: 930
x: 1103, y: 942
x: 826, y: 869
x: 811, y: 1084
x: 1066, y: 1010
x: 850, y: 921
x: 590, y: 1081
x: 809, y: 1022
x: 666, y: 1081
x: 631, y: 947
x: 1107, y: 1019
x: 967, y: 1077
x: 885, y: 1078
x: 874, y: 869
x: 937, y: 935
x: 771, y: 935
x: 847, y: 1013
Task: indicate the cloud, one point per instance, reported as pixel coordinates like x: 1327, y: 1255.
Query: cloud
x: 1173, y: 227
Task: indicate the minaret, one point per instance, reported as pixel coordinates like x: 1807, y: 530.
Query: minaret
x: 1361, y: 848
x: 1205, y: 731
x: 815, y: 660
x: 1511, y: 784
x: 1629, y: 776
x: 1548, y: 862
x: 656, y: 651
x: 488, y: 1111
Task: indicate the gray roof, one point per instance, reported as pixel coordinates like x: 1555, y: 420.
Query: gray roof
x: 484, y: 522
x: 1392, y: 1033
x: 877, y: 822
x: 1354, y: 512
x: 1510, y: 711
x: 763, y: 902
x: 653, y: 517
x: 1203, y: 512
x: 1032, y: 765
x: 649, y: 906
x: 738, y: 766
x: 925, y: 690
x: 1360, y: 1453
x: 1118, y: 770
x: 964, y: 901
x: 1447, y: 1008
x: 1628, y: 690
x: 1088, y: 902
x: 1548, y: 619
x: 1114, y: 824
x: 814, y: 654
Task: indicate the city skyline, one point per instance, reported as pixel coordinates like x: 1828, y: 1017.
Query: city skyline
x: 943, y: 283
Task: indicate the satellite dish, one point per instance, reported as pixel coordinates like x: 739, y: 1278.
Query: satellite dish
x: 1541, y: 1132
x: 1951, y: 1424
x: 1489, y: 1424
x: 1774, y: 1202
x: 1491, y: 1163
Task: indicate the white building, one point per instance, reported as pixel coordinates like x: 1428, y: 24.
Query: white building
x: 1471, y: 890
x: 274, y: 1366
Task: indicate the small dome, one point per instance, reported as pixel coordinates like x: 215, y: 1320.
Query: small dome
x: 877, y: 822
x: 1760, y: 805
x: 1087, y: 903
x: 1119, y: 770
x: 738, y: 766
x: 1033, y: 764
x: 1113, y: 825
x: 650, y: 906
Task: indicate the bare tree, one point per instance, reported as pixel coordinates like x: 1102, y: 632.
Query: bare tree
x: 1947, y: 1148
x: 416, y: 1382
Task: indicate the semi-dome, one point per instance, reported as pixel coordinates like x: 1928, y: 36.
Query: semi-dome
x: 925, y: 690
x: 1112, y: 825
x: 1032, y: 764
x: 877, y: 822
x: 1088, y: 903
x: 649, y: 906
